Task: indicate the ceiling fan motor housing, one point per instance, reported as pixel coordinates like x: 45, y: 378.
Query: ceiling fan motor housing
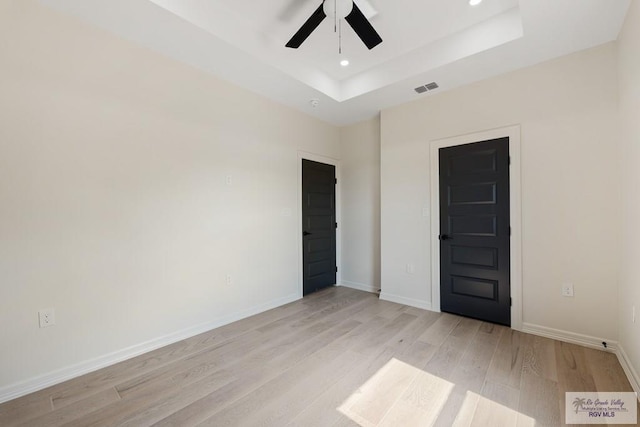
x: 341, y: 8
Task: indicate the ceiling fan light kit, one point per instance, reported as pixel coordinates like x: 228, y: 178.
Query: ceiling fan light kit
x: 338, y: 9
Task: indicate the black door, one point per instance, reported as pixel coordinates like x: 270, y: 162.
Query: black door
x: 318, y: 225
x: 475, y: 230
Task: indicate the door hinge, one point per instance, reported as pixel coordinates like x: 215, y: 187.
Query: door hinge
x: 510, y: 302
x: 336, y: 268
x: 509, y: 230
x: 509, y: 160
x: 336, y: 225
x: 336, y: 180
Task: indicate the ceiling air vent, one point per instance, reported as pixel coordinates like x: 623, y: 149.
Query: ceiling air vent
x: 429, y: 86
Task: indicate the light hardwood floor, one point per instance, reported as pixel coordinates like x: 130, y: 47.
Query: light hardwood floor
x: 337, y: 358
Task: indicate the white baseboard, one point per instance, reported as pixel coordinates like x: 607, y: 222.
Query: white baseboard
x: 425, y: 305
x: 631, y: 373
x: 359, y: 286
x: 570, y: 337
x: 22, y: 388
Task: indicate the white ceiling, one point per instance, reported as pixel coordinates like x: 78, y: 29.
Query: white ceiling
x: 446, y: 41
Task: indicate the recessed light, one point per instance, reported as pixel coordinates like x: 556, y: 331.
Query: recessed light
x: 475, y: 2
x: 344, y: 62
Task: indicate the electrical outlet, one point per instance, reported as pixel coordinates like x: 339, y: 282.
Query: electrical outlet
x: 411, y: 269
x: 47, y: 317
x: 228, y: 179
x: 229, y: 280
x: 567, y: 290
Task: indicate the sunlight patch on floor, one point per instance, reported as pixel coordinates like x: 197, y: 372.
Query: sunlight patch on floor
x: 479, y: 411
x: 402, y: 395
x: 398, y: 394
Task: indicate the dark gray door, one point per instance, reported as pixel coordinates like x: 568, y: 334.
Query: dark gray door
x: 318, y: 225
x: 475, y: 230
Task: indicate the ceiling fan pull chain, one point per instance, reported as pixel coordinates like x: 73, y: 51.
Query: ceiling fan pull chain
x: 340, y: 38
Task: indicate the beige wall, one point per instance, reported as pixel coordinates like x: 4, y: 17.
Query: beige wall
x: 114, y: 203
x: 567, y: 110
x: 360, y: 161
x: 629, y: 80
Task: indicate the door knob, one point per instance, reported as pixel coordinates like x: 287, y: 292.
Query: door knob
x: 305, y: 233
x: 445, y: 237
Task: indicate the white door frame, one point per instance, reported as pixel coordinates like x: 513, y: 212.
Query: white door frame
x: 515, y: 209
x: 302, y: 155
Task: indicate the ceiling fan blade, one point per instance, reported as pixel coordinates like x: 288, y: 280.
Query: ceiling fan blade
x: 363, y: 28
x: 307, y: 28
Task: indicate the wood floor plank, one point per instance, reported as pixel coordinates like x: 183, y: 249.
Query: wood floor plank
x: 574, y: 373
x: 376, y: 397
x: 288, y: 398
x: 76, y: 410
x: 472, y: 369
x: 501, y: 394
x: 539, y: 399
x: 345, y: 421
x: 339, y: 357
x: 506, y: 366
x: 606, y: 371
x: 200, y: 363
x: 420, y: 403
x: 325, y: 409
x: 19, y: 410
x: 448, y: 356
x: 381, y: 308
x: 539, y: 357
x: 490, y: 413
x: 418, y: 354
x: 467, y: 410
x: 314, y: 312
x: 197, y: 409
x: 452, y: 407
x: 441, y: 329
x: 388, y: 331
x: 409, y: 335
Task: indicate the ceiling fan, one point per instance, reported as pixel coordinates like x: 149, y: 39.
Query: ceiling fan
x: 338, y: 9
